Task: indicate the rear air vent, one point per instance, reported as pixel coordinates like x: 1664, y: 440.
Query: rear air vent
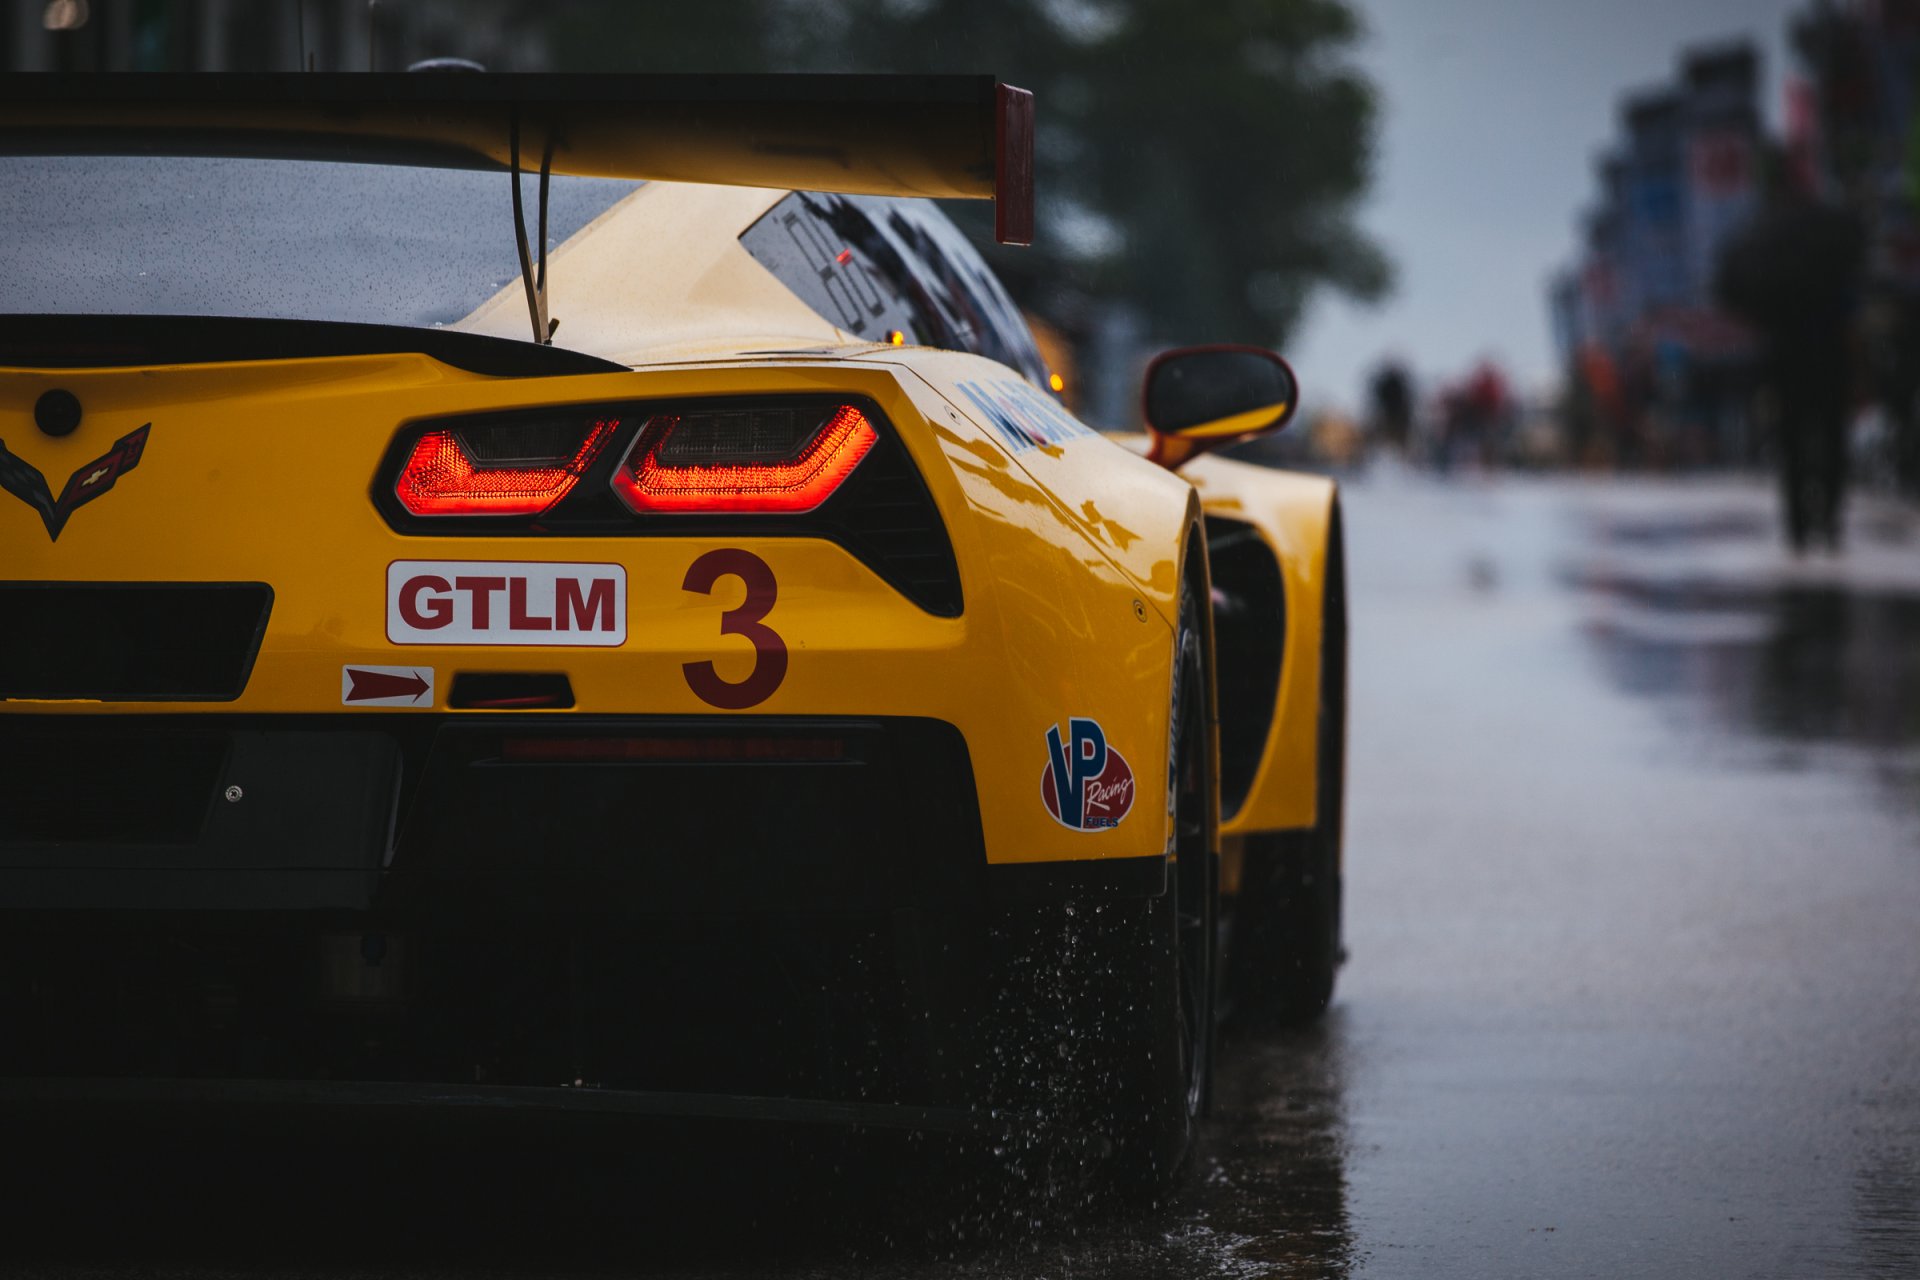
x: 885, y: 516
x: 130, y: 641
x: 1249, y: 640
x: 510, y: 691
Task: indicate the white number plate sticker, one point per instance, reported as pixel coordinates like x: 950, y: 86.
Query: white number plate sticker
x: 506, y: 602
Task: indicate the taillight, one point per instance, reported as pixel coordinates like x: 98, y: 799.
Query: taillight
x: 498, y: 469
x: 742, y: 460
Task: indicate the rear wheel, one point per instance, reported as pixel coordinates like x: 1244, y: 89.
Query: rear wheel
x: 1174, y: 1050
x: 1115, y: 1000
x: 1287, y: 947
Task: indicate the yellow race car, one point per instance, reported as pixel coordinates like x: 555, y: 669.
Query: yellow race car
x: 574, y: 592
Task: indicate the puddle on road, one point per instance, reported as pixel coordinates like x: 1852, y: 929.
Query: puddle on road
x: 1265, y: 1196
x: 1887, y: 1209
x: 1271, y: 1174
x: 1790, y: 666
x: 1789, y: 650
x: 1808, y: 663
x: 1678, y: 529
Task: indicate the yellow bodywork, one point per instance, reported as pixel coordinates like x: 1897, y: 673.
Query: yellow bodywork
x: 1291, y: 512
x: 1235, y: 425
x: 1070, y: 553
x: 262, y: 472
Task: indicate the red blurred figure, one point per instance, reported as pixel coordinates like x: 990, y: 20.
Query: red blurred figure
x: 1473, y: 415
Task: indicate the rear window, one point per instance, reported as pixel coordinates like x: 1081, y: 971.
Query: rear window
x: 874, y: 266
x: 268, y: 239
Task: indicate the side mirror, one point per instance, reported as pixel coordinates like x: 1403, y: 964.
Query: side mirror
x: 1201, y: 398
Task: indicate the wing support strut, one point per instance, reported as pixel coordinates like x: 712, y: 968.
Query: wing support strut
x: 533, y: 279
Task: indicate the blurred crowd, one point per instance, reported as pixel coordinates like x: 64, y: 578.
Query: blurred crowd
x: 1740, y: 300
x: 1743, y: 299
x: 1475, y: 422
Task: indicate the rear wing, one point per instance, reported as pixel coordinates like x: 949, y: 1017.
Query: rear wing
x: 964, y: 137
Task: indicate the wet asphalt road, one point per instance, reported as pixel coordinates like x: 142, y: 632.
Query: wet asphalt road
x: 1634, y: 916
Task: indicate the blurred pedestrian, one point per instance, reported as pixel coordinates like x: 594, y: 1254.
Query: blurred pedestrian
x: 1489, y: 411
x: 1794, y: 274
x: 1391, y: 391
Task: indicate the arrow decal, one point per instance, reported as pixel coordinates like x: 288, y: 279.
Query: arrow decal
x: 387, y: 686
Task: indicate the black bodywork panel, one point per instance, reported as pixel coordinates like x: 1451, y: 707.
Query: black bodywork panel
x: 130, y: 641
x: 132, y: 341
x: 1250, y: 636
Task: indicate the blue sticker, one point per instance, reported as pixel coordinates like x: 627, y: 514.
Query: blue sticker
x: 1024, y: 418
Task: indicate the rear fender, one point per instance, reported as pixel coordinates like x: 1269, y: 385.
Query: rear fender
x: 1293, y: 515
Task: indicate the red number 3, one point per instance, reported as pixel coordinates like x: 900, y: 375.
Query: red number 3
x: 770, y: 651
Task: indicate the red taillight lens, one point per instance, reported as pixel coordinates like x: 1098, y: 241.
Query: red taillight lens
x: 498, y: 469
x: 744, y: 460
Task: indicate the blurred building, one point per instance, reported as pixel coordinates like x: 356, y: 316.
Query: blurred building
x: 269, y: 35
x: 1854, y: 136
x: 1659, y: 375
x: 1852, y: 120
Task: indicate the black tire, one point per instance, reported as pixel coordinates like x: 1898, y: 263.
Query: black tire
x: 1287, y: 946
x: 1114, y: 1001
x: 1174, y: 1049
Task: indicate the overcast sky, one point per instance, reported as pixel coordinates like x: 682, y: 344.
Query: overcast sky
x: 1492, y: 112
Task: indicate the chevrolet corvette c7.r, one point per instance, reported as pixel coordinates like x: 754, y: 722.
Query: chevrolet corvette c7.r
x: 512, y: 583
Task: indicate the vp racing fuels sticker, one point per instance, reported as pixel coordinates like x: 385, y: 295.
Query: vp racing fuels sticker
x: 506, y: 602
x: 1087, y: 784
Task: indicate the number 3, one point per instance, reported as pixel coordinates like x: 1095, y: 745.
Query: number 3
x: 770, y: 651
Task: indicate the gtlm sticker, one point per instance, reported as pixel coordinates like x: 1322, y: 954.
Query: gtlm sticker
x: 498, y: 602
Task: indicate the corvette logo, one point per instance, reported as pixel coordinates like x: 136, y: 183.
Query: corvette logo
x: 19, y: 478
x: 1087, y: 785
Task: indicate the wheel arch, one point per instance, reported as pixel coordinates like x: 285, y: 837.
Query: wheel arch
x: 1297, y: 518
x: 1196, y: 568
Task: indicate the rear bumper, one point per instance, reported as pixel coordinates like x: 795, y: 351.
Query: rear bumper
x: 401, y: 815
x: 770, y: 906
x: 398, y: 817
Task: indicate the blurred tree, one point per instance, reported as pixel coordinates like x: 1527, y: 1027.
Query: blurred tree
x: 1201, y: 161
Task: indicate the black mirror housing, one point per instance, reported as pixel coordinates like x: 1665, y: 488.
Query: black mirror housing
x: 1200, y: 398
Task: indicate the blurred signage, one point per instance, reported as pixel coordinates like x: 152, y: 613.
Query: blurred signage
x: 1721, y: 163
